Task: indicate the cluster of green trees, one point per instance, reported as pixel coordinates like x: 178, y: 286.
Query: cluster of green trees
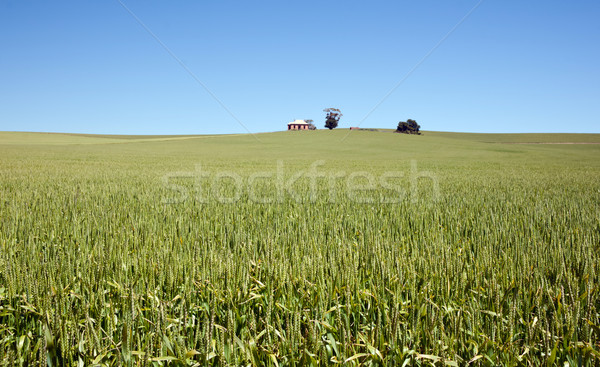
x: 408, y: 127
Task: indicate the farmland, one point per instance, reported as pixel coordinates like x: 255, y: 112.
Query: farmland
x: 299, y: 248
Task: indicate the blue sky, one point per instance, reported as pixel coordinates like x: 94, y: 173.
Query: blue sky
x: 90, y: 67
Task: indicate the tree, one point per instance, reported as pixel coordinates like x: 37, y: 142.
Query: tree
x: 311, y: 126
x: 333, y: 117
x: 408, y: 127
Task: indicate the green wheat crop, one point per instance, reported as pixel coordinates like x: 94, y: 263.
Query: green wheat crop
x: 146, y: 251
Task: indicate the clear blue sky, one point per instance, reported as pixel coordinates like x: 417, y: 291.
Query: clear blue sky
x: 88, y: 66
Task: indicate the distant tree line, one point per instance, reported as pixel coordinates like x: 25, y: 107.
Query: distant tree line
x: 333, y: 116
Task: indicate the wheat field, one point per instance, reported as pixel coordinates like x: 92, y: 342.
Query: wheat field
x: 299, y: 249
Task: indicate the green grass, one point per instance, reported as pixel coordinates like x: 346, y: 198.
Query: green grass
x: 499, y: 266
x: 535, y: 138
x: 25, y: 138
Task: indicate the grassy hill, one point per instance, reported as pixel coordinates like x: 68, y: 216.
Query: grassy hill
x: 299, y: 248
x: 341, y: 149
x: 338, y: 144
